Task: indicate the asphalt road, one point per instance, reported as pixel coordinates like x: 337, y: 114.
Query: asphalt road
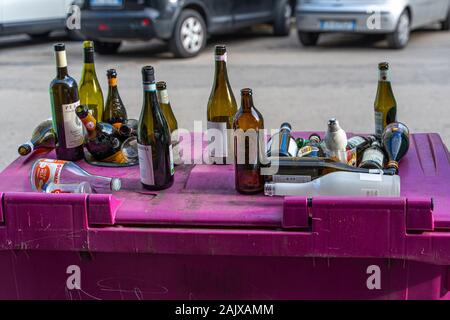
x: 291, y: 83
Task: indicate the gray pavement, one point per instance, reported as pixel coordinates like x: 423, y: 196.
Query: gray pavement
x: 304, y: 86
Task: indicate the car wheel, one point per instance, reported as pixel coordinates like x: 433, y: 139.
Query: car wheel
x: 282, y: 22
x: 40, y: 36
x: 308, y: 39
x: 106, y: 47
x: 446, y: 23
x: 189, y: 35
x: 400, y: 38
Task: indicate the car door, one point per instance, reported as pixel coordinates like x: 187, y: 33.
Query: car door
x: 249, y: 12
x: 439, y: 10
x: 17, y: 11
x: 220, y: 15
x: 421, y: 12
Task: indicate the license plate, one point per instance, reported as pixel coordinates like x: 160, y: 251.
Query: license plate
x: 106, y: 3
x: 338, y: 25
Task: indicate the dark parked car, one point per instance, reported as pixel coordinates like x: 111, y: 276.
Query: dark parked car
x: 184, y: 24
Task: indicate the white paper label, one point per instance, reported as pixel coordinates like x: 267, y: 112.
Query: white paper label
x: 172, y: 165
x: 73, y: 128
x: 374, y: 156
x: 146, y: 164
x: 291, y: 179
x: 384, y: 75
x: 370, y: 177
x: 379, y: 121
x: 163, y: 97
x: 46, y: 171
x: 355, y: 141
x: 218, y: 139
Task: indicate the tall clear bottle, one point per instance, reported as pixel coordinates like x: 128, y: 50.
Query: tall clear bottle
x: 385, y: 103
x: 91, y: 94
x: 115, y: 111
x: 65, y: 99
x: 247, y: 125
x: 154, y: 141
x: 222, y: 107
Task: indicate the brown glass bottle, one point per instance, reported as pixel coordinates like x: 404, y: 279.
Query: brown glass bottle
x: 247, y: 124
x: 115, y: 111
x: 65, y: 99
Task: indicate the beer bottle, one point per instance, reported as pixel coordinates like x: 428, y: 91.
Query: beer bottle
x: 373, y: 157
x: 221, y: 109
x: 247, y: 124
x: 385, y: 104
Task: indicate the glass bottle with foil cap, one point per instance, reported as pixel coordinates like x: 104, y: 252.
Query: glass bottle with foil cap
x: 90, y: 90
x: 154, y: 141
x: 115, y: 111
x: 64, y: 100
x: 103, y: 140
x: 395, y: 140
x: 222, y: 107
x: 385, y: 103
x: 247, y: 125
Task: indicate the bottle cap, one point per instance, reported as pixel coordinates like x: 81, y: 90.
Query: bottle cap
x: 111, y: 73
x: 221, y: 50
x: 383, y: 66
x: 148, y: 74
x: 116, y: 184
x: 333, y: 125
x: 246, y: 92
x: 82, y: 111
x: 60, y: 47
x: 161, y: 85
x: 286, y: 126
x: 25, y: 149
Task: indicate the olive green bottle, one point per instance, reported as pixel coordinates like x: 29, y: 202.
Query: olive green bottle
x: 91, y: 94
x: 385, y: 104
x: 115, y: 111
x: 166, y: 107
x: 221, y: 109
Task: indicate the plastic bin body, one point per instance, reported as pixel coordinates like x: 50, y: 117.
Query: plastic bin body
x: 202, y: 240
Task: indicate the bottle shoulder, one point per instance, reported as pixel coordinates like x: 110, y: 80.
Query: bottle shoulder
x: 66, y: 81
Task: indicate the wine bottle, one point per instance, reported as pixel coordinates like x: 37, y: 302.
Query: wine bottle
x: 360, y: 144
x: 82, y: 187
x: 64, y: 100
x: 282, y: 144
x: 115, y: 111
x: 385, y: 104
x: 340, y: 184
x: 373, y: 157
x: 91, y: 93
x: 309, y: 168
x: 43, y: 137
x: 395, y: 140
x: 154, y: 141
x: 164, y: 103
x: 221, y: 109
x: 247, y: 124
x: 103, y: 140
x: 45, y: 171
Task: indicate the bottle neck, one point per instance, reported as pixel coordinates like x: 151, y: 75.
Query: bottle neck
x: 90, y: 124
x: 221, y: 74
x: 150, y: 93
x: 88, y: 56
x: 247, y: 103
x: 384, y: 76
x: 112, y: 85
x: 163, y: 96
x: 61, y: 64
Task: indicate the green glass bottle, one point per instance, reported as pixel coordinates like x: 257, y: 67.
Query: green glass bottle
x: 385, y: 103
x: 91, y: 93
x: 115, y: 111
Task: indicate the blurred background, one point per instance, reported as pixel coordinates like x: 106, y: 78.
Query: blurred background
x: 306, y: 60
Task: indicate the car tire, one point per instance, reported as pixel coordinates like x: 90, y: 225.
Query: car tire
x: 282, y: 22
x: 106, y: 47
x: 189, y: 35
x: 400, y: 37
x: 308, y: 39
x: 40, y: 36
x: 445, y: 25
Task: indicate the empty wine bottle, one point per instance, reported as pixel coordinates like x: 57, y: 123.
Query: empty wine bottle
x: 115, y: 111
x: 82, y: 187
x: 43, y: 137
x: 222, y: 107
x: 385, y: 104
x: 45, y: 171
x: 373, y: 157
x: 340, y: 184
x: 247, y: 124
x: 64, y: 99
x: 103, y: 140
x: 154, y: 141
x: 90, y: 90
x: 166, y: 107
x: 395, y: 140
x: 282, y: 144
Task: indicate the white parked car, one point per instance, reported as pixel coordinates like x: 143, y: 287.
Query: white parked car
x: 393, y: 18
x: 36, y: 18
